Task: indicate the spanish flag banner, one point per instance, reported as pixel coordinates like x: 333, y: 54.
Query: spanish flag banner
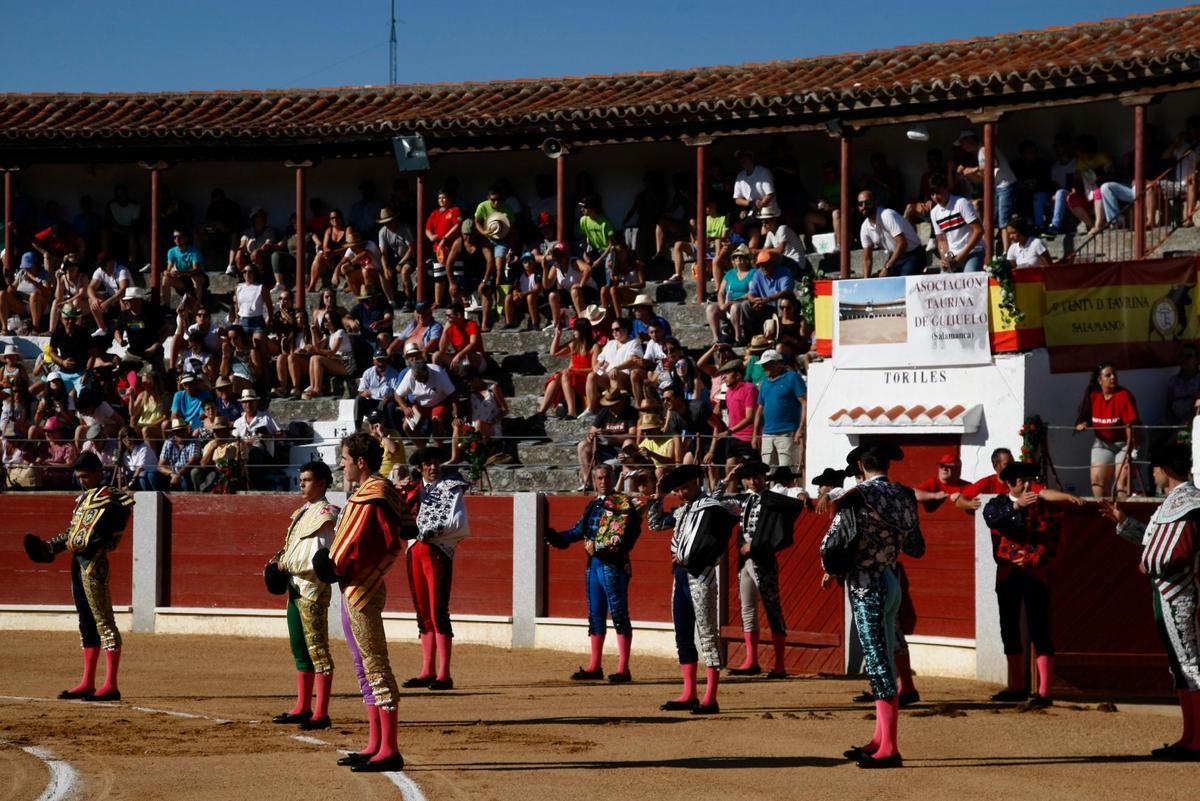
x: 1133, y: 314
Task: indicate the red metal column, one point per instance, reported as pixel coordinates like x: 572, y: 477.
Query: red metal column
x: 989, y: 191
x: 560, y: 198
x: 301, y: 250
x: 422, y: 289
x: 701, y: 229
x: 155, y: 258
x: 843, y: 229
x: 1139, y: 182
x: 8, y: 220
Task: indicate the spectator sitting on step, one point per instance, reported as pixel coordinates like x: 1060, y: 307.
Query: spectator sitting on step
x: 626, y: 278
x: 567, y: 285
x: 946, y: 485
x: 13, y: 374
x: 228, y: 406
x: 654, y: 357
x: 487, y: 405
x: 644, y: 317
x: 461, y: 343
x: 360, y: 267
x: 178, y: 456
x: 195, y: 360
x: 1025, y: 249
x: 526, y: 292
x: 329, y: 307
x: 185, y: 268
x: 616, y: 423
x: 257, y: 244
x: 548, y: 231
x: 619, y: 365
x: 203, y: 433
x: 140, y: 327
x: 240, y: 362
x: 332, y: 354
x: 377, y: 390
x: 188, y: 402
x: 221, y: 464
x: 570, y: 383
x: 258, y: 431
x: 779, y: 238
x: 333, y: 247
x: 423, y: 331
x: 655, y: 446
x: 94, y: 411
x: 771, y: 281
x: 30, y: 295
x: 14, y: 411
x: 138, y: 463
x: 371, y: 318
x: 70, y: 286
x: 109, y: 282
x: 716, y: 240
x: 424, y: 396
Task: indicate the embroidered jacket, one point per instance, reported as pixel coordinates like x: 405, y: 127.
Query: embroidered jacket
x: 881, y: 518
x: 310, y: 530
x: 370, y: 533
x: 96, y: 526
x: 442, y: 514
x: 1170, y: 542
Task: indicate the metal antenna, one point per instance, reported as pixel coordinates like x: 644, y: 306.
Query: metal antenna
x: 392, y: 59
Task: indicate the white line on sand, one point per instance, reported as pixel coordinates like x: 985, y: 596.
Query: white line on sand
x: 62, y: 776
x: 409, y: 789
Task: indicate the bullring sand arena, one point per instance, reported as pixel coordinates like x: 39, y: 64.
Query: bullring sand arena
x: 195, y: 725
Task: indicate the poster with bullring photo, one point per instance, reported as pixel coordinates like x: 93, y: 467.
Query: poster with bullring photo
x: 914, y: 321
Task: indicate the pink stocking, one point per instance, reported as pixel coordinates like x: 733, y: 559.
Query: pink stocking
x: 888, y: 714
x: 304, y: 691
x: 427, y: 651
x: 751, y: 659
x: 624, y: 643
x: 112, y: 665
x: 444, y: 645
x: 689, y: 682
x: 710, y: 689
x: 387, y: 735
x: 324, y: 683
x: 91, y: 658
x: 597, y: 652
x: 372, y: 745
x: 1045, y: 667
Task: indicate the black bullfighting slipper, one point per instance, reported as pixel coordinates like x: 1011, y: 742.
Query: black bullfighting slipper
x: 418, y: 681
x: 115, y: 695
x: 441, y: 684
x: 1011, y: 696
x: 67, y: 695
x: 777, y: 674
x: 588, y: 675
x: 620, y: 678
x: 750, y: 671
x: 676, y: 706
x: 866, y: 697
x: 385, y: 765
x: 1175, y: 753
x: 908, y: 699
x: 287, y: 718
x: 706, y: 709
x: 314, y: 724
x: 854, y: 753
x: 350, y: 760
x: 871, y: 763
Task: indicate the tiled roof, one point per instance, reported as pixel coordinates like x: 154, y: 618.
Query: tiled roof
x: 956, y: 418
x: 1090, y: 59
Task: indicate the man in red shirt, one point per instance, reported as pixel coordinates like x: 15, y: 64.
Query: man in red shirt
x: 968, y: 499
x: 461, y: 341
x: 947, y: 484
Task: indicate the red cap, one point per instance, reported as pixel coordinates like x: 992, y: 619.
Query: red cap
x: 560, y: 247
x: 948, y: 458
x: 545, y: 218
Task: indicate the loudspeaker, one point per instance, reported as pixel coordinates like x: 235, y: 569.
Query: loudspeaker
x: 411, y: 155
x: 553, y: 148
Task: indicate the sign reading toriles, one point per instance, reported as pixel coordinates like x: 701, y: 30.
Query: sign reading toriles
x: 1134, y: 314
x: 918, y: 321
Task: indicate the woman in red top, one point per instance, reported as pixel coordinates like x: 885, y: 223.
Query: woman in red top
x: 571, y: 383
x: 1110, y: 411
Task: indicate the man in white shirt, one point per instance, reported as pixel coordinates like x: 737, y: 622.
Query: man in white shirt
x: 887, y: 230
x: 107, y: 287
x: 957, y: 228
x: 377, y: 389
x: 257, y: 430
x: 780, y: 238
x: 753, y: 189
x: 423, y: 396
x: 620, y: 364
x: 1006, y: 179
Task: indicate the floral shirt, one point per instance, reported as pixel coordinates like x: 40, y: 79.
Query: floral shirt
x: 884, y: 516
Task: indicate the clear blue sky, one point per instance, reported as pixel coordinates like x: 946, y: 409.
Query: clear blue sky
x: 139, y: 45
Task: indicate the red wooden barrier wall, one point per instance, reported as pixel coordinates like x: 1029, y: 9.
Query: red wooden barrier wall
x: 1102, y: 615
x: 217, y: 546
x: 47, y: 514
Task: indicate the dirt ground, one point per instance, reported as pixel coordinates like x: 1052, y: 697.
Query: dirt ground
x: 195, y: 725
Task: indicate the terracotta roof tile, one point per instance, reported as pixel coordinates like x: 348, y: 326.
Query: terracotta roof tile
x: 1161, y: 47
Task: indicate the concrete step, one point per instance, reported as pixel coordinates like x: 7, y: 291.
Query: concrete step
x: 285, y: 410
